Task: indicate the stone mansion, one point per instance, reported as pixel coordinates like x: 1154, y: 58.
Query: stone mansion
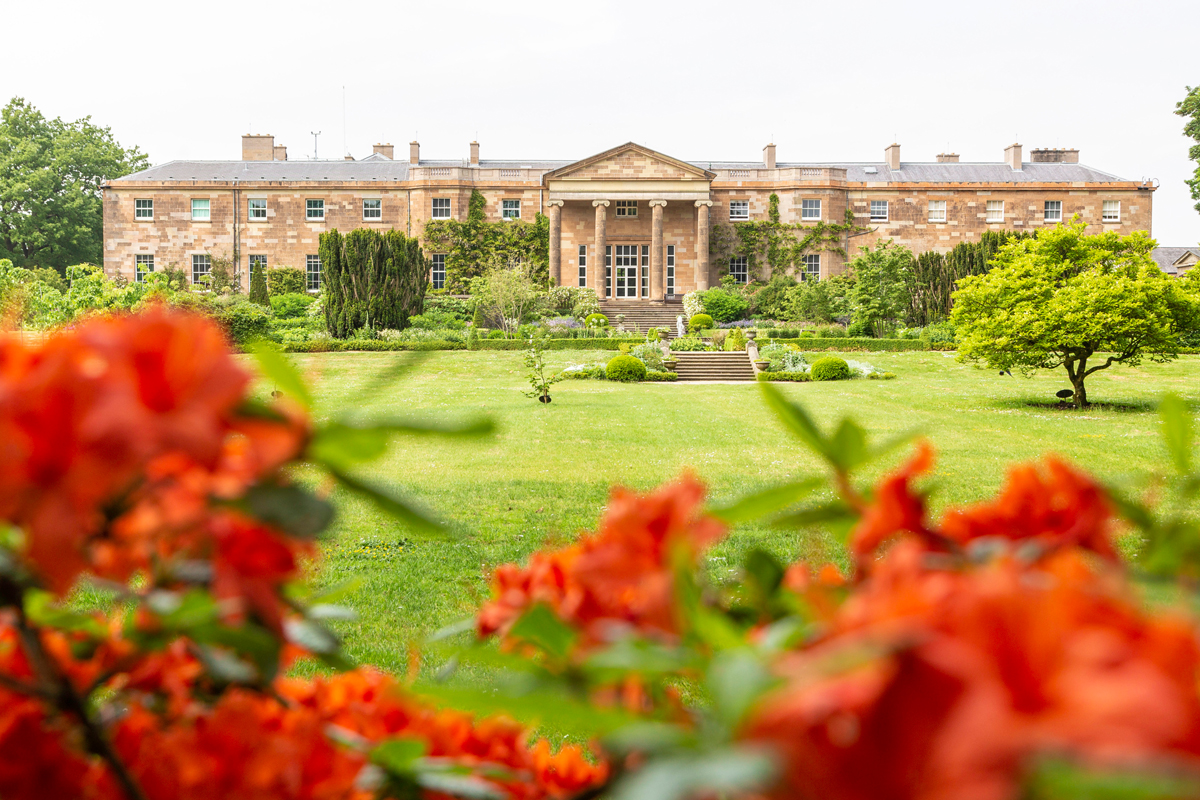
x: 645, y: 216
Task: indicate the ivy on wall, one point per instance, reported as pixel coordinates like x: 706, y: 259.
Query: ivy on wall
x: 476, y: 245
x: 777, y: 246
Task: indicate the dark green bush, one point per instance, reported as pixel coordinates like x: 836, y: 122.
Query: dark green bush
x: 771, y: 300
x: 286, y: 280
x: 290, y: 306
x: 244, y: 321
x: 725, y: 306
x: 830, y: 368
x: 655, y: 375
x: 496, y: 335
x: 626, y: 369
x: 434, y: 319
x: 700, y: 322
x: 797, y: 377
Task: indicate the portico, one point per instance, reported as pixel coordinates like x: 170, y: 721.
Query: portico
x: 631, y: 224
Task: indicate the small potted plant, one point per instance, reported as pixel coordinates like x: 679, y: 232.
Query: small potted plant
x: 663, y: 333
x: 670, y: 363
x: 751, y: 333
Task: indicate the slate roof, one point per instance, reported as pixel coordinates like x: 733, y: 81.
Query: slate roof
x: 383, y: 169
x: 1166, y: 257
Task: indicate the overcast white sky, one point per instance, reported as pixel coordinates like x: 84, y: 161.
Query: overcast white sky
x: 697, y: 80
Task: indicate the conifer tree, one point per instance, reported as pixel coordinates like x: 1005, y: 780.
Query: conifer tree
x: 258, y: 286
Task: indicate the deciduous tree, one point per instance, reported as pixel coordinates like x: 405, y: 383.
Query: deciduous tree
x: 1063, y: 298
x: 1189, y: 109
x: 50, y: 177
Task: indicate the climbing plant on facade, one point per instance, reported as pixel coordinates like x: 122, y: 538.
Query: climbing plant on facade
x: 371, y: 279
x: 475, y: 246
x: 778, y: 247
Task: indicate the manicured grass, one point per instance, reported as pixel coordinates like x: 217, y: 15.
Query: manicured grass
x: 546, y: 473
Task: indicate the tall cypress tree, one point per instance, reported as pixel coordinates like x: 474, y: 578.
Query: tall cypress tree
x: 258, y: 286
x: 372, y: 278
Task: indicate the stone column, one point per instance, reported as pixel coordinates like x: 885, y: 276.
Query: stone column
x: 601, y: 207
x: 555, y: 242
x: 657, y: 278
x: 702, y: 269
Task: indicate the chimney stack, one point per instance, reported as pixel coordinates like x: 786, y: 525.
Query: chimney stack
x: 1045, y: 155
x: 769, y: 156
x: 384, y: 150
x: 258, y: 147
x: 947, y: 158
x: 475, y: 153
x: 414, y: 153
x: 892, y: 154
x: 347, y: 157
x: 1012, y: 156
x: 280, y: 152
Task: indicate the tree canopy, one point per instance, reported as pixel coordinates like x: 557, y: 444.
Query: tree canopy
x: 1064, y: 297
x: 1189, y: 109
x: 880, y: 293
x: 50, y: 177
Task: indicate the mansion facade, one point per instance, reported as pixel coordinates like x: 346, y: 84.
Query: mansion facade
x: 630, y: 223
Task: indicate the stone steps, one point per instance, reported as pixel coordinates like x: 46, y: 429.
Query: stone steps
x: 640, y: 317
x: 734, y: 366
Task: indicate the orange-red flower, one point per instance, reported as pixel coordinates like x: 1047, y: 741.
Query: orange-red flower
x: 894, y: 509
x: 622, y: 576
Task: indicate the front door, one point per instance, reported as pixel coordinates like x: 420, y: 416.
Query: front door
x: 625, y: 263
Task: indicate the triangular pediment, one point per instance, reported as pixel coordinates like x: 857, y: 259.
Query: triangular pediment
x: 1189, y: 258
x: 631, y: 162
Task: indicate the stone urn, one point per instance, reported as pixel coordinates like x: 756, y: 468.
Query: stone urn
x: 662, y: 335
x: 669, y: 364
x: 761, y: 364
x: 751, y: 334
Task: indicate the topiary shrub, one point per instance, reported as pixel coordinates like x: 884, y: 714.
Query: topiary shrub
x: 626, y: 369
x: 291, y: 306
x: 286, y: 280
x: 596, y: 321
x: 700, y: 322
x: 830, y: 368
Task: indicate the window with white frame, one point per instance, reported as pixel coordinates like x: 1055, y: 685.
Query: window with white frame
x: 372, y: 209
x: 995, y: 211
x: 937, y: 210
x: 810, y: 209
x: 1111, y: 211
x: 143, y: 266
x: 627, y: 208
x: 314, y: 209
x: 739, y: 269
x: 510, y: 209
x: 608, y: 270
x: 739, y: 210
x: 258, y: 262
x: 645, y: 270
x: 201, y: 266
x: 1052, y: 211
x: 258, y: 208
x: 143, y: 209
x: 670, y: 270
x: 583, y: 266
x: 200, y: 210
x: 312, y: 272
x: 812, y: 266
x: 879, y: 211
x: 441, y: 208
x: 438, y: 274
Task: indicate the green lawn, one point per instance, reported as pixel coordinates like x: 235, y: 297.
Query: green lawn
x: 546, y: 473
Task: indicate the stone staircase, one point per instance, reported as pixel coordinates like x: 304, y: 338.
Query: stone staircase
x: 640, y: 316
x: 734, y: 366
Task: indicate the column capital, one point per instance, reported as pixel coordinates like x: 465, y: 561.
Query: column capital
x: 554, y: 203
x: 703, y: 203
x: 598, y: 203
x: 655, y: 203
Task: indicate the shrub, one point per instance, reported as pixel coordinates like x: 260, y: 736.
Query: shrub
x: 586, y: 305
x: 736, y: 341
x: 940, y: 334
x: 496, y: 335
x: 830, y: 368
x: 626, y: 369
x: 648, y: 354
x: 655, y: 375
x: 286, y: 280
x: 724, y: 305
x: 795, y: 377
x: 771, y: 300
x: 718, y: 339
x: 433, y: 319
x: 596, y: 321
x: 700, y: 322
x: 693, y: 303
x: 688, y: 344
x: 455, y: 306
x: 244, y: 321
x: 291, y: 306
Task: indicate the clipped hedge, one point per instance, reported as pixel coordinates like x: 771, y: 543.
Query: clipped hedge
x: 847, y: 343
x: 795, y: 377
x: 830, y: 368
x: 366, y: 345
x: 655, y: 375
x: 551, y: 344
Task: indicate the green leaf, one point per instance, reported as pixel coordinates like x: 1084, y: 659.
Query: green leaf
x: 225, y: 666
x: 534, y: 703
x: 467, y: 786
x: 291, y: 509
x: 760, y: 504
x: 1177, y: 431
x: 712, y: 773
x: 390, y: 503
x: 275, y: 367
x: 848, y: 448
x: 736, y: 679
x: 541, y: 627
x: 330, y: 611
x: 834, y: 511
x: 43, y: 609
x: 310, y: 635
x: 452, y: 630
x: 764, y: 570
x: 797, y: 420
x: 398, y: 756
x: 648, y: 738
x: 343, y: 446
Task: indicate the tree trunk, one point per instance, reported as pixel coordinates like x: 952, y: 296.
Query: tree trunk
x: 1077, y: 372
